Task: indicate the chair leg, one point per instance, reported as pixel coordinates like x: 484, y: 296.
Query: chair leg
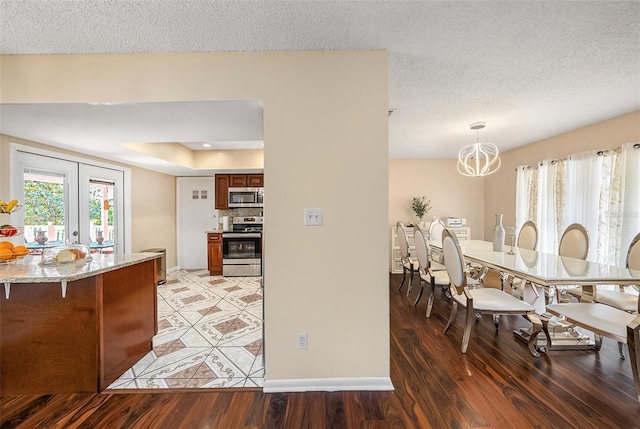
x: 496, y: 321
x: 454, y: 309
x: 419, y: 293
x: 467, y: 329
x: 503, y: 280
x: 621, y: 350
x: 411, y: 270
x: 430, y: 300
x: 633, y: 342
x: 404, y: 275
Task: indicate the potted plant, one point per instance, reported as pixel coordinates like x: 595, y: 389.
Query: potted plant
x: 421, y: 207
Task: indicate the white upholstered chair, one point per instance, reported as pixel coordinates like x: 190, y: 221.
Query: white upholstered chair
x: 528, y: 236
x: 435, y: 233
x: 620, y: 298
x: 427, y: 275
x: 476, y: 301
x: 435, y: 229
x: 409, y: 263
x: 574, y: 243
x: 527, y: 239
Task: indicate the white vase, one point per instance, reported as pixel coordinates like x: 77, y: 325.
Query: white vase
x: 498, y: 234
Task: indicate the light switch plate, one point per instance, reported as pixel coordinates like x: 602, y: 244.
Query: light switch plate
x: 312, y: 217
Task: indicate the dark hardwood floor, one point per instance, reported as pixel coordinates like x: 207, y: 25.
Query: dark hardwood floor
x: 497, y: 384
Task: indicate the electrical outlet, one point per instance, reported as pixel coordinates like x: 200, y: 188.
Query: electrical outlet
x: 313, y: 217
x: 303, y: 340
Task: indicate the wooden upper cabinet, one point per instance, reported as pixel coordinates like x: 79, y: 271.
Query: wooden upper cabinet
x: 222, y: 191
x: 226, y: 181
x: 238, y: 181
x: 255, y: 180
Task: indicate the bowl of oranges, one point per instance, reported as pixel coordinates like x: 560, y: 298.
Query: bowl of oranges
x: 9, y: 252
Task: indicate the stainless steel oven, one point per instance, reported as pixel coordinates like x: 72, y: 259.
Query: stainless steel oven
x: 242, y: 248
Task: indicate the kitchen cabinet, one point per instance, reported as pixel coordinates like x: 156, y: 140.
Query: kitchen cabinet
x: 222, y: 191
x: 255, y: 180
x: 214, y: 253
x: 226, y: 181
x: 246, y: 180
x: 238, y: 180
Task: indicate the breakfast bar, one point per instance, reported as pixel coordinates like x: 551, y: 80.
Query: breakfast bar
x: 75, y: 327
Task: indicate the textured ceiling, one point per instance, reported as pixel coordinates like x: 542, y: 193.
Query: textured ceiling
x: 531, y: 70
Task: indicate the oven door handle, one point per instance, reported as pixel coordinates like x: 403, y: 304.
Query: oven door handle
x: 240, y: 235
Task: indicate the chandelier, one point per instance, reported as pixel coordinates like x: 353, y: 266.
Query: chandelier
x: 479, y: 159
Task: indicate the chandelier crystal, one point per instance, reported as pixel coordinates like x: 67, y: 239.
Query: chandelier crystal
x: 479, y: 159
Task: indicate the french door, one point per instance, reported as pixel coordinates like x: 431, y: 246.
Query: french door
x: 68, y: 201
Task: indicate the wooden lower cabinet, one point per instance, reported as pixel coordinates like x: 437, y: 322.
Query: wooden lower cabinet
x: 80, y: 343
x: 214, y: 253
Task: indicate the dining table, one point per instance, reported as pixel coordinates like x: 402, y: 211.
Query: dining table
x: 543, y: 273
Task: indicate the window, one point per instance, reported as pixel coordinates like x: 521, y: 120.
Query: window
x: 597, y: 189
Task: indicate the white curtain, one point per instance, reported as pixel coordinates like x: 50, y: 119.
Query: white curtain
x: 630, y: 195
x: 584, y: 173
x: 597, y: 189
x: 549, y: 205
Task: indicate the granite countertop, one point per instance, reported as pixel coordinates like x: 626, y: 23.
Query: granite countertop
x: 29, y: 270
x: 214, y: 231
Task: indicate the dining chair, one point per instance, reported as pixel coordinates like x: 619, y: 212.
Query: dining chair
x: 527, y: 239
x: 484, y: 300
x: 528, y: 236
x: 408, y: 263
x: 620, y: 298
x: 574, y: 243
x: 427, y: 275
x: 436, y: 226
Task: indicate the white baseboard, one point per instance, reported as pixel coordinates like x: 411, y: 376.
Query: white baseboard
x: 327, y: 384
x: 172, y: 269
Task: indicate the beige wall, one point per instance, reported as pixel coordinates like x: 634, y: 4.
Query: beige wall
x: 314, y: 146
x: 148, y: 188
x: 450, y: 193
x: 500, y: 188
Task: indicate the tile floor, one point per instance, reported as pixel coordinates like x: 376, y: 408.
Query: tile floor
x: 209, y: 335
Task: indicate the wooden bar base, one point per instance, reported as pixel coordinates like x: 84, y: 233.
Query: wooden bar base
x: 81, y: 343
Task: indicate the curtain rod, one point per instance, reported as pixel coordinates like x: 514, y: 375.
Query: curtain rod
x: 599, y: 153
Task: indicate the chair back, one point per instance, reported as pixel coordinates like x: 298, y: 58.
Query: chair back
x: 633, y: 255
x: 454, y: 260
x: 435, y: 229
x: 422, y: 248
x: 574, y: 242
x: 528, y: 236
x: 402, y: 240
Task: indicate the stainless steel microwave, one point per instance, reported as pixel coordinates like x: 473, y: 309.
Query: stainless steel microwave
x: 246, y: 197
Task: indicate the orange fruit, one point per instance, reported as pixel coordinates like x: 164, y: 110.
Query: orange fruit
x: 6, y: 245
x: 20, y: 251
x: 5, y: 254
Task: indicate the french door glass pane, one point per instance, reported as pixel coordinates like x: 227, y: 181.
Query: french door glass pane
x: 44, y: 213
x: 101, y: 210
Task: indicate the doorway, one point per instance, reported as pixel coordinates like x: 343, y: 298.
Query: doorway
x: 68, y: 201
x: 196, y: 214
